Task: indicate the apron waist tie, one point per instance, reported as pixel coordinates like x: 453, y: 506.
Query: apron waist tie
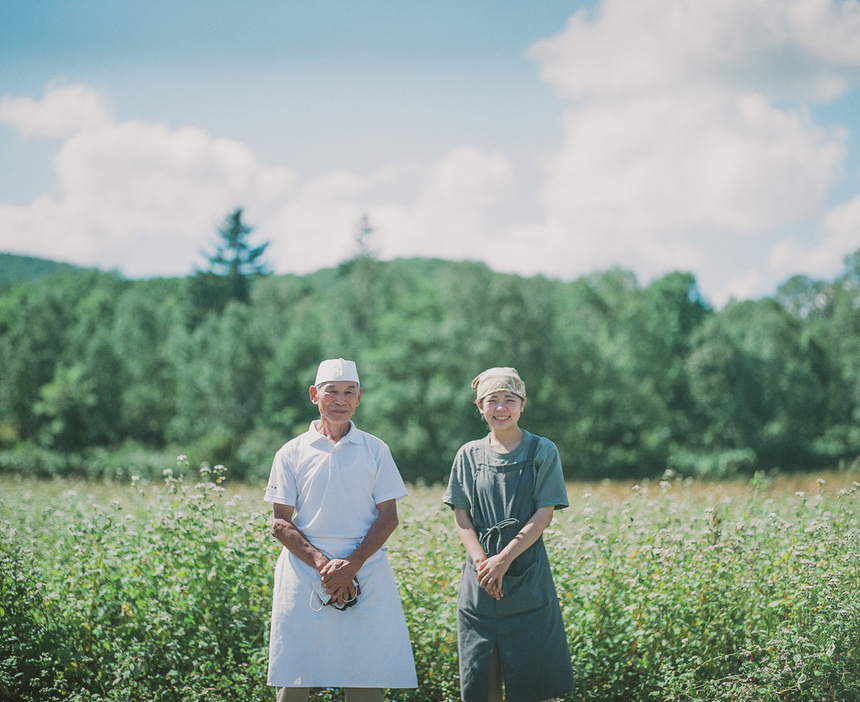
x: 495, y: 533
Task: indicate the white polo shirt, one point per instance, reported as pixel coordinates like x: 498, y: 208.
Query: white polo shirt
x: 334, y: 487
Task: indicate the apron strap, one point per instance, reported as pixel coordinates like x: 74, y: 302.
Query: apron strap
x: 530, y: 458
x: 494, y: 533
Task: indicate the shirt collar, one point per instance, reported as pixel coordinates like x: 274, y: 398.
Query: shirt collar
x: 350, y: 438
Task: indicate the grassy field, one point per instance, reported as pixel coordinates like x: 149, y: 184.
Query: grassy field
x: 671, y: 590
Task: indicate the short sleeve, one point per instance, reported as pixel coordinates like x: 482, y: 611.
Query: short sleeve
x: 459, y: 483
x: 389, y: 483
x: 282, y: 488
x: 550, y: 490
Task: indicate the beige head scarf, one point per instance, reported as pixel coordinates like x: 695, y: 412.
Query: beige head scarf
x: 498, y: 380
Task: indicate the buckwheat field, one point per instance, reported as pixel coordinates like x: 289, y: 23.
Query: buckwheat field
x: 671, y: 590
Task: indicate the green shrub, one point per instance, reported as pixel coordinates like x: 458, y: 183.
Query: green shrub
x: 159, y: 600
x: 679, y: 590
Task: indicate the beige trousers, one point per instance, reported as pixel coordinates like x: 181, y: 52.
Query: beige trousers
x: 353, y: 694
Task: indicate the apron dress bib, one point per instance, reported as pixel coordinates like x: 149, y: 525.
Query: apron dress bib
x: 526, y: 623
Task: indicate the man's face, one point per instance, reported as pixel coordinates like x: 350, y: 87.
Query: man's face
x: 336, y: 401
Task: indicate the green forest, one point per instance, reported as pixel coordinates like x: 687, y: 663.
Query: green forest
x: 108, y: 377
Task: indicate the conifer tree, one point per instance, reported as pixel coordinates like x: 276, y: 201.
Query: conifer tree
x: 232, y: 267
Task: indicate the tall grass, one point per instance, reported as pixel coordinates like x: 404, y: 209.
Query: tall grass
x: 689, y: 592
x: 675, y: 590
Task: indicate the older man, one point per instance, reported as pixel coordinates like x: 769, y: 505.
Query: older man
x: 337, y: 620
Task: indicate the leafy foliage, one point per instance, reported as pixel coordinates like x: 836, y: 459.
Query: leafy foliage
x: 626, y: 379
x: 671, y: 590
x: 160, y: 602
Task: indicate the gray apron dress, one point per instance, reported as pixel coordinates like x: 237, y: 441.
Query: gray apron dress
x: 526, y: 623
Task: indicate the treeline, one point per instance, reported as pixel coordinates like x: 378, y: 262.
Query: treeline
x: 107, y: 376
x: 19, y: 269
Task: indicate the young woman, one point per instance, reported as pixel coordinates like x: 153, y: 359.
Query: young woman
x: 504, y: 489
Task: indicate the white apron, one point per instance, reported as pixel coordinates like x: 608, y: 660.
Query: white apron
x: 366, y: 645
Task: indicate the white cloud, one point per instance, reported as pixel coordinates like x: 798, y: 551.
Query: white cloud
x: 674, y: 139
x: 785, y: 49
x: 139, y: 197
x: 146, y: 199
x: 750, y: 283
x: 456, y: 213
x: 63, y: 111
x: 824, y: 258
x: 439, y: 209
x: 674, y: 165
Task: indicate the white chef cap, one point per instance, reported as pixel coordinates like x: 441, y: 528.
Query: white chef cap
x: 335, y: 370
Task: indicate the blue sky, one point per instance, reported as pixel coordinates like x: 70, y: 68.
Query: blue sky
x: 558, y: 138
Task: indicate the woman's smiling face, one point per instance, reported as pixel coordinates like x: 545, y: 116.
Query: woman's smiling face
x: 501, y: 410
